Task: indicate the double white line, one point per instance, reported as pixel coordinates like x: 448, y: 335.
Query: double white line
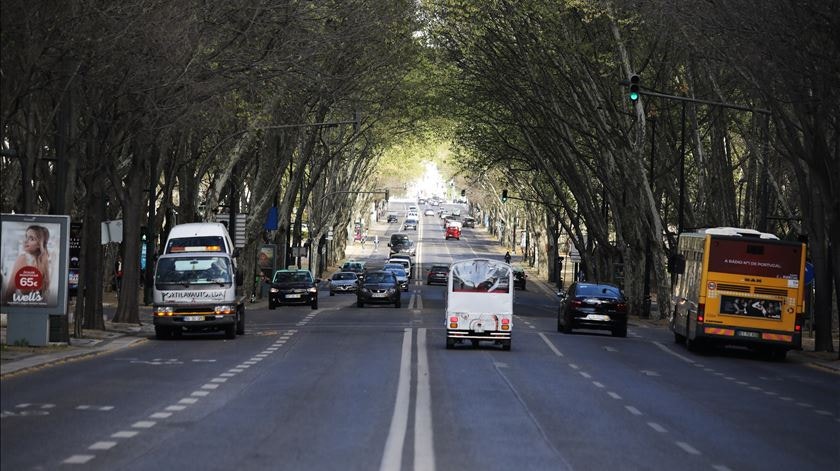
x: 424, y: 451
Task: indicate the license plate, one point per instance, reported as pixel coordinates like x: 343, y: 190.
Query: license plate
x: 193, y: 318
x: 379, y: 295
x: 742, y: 333
x: 292, y: 296
x: 597, y: 317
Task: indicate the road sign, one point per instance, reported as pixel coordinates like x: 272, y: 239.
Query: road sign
x: 241, y: 220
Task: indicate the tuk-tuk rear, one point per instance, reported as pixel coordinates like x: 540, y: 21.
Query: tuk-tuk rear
x: 479, y: 302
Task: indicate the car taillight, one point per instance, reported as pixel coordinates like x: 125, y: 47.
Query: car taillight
x: 575, y: 303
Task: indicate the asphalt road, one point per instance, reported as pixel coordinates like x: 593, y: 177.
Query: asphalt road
x: 350, y: 388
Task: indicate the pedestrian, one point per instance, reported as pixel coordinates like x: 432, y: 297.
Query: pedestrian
x: 507, y: 257
x: 34, y: 256
x: 118, y: 273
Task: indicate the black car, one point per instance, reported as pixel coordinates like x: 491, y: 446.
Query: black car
x: 469, y: 222
x: 519, y: 278
x: 379, y: 287
x: 593, y: 306
x: 293, y: 287
x: 438, y: 274
x: 392, y: 218
x: 400, y: 243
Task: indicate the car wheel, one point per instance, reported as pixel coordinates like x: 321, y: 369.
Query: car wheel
x: 271, y: 305
x: 398, y: 304
x: 162, y: 332
x: 620, y: 331
x: 240, y: 324
x: 332, y: 293
x: 230, y: 331
x: 567, y: 325
x: 315, y: 304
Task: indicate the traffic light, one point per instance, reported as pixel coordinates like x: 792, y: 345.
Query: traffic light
x: 504, y: 196
x: 387, y: 195
x: 634, y: 88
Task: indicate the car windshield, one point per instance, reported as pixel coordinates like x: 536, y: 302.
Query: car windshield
x: 194, y: 270
x: 379, y: 277
x: 597, y: 290
x: 440, y: 268
x: 399, y: 239
x: 397, y: 271
x: 292, y: 277
x: 344, y: 276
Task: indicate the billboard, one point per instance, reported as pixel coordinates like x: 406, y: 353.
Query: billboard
x: 34, y: 263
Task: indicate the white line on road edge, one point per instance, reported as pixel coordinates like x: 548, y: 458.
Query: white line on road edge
x: 424, y: 448
x: 392, y: 456
x: 668, y: 350
x: 550, y: 345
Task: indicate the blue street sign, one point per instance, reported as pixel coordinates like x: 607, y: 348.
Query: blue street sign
x: 809, y: 273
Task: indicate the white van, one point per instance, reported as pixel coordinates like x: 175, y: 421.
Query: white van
x: 200, y: 237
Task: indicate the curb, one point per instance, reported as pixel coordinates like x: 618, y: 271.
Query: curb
x: 35, y: 362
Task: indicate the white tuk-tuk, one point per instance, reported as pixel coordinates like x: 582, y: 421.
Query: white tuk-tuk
x: 479, y: 302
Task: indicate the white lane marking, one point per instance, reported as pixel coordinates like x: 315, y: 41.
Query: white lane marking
x: 785, y: 398
x: 771, y: 393
x: 79, y: 459
x: 699, y: 365
x: 585, y: 374
x: 687, y: 448
x: 102, y: 446
x: 531, y: 327
x: 668, y: 350
x: 412, y: 300
x: 610, y: 349
x: 25, y: 404
x: 804, y: 404
x: 125, y: 434
x: 392, y: 456
x: 424, y: 447
x: 633, y: 410
x: 188, y: 400
x: 720, y: 467
x: 227, y: 375
x: 755, y: 388
x: 597, y: 384
x: 199, y: 393
x: 218, y: 380
x: 97, y: 408
x: 550, y: 345
x: 144, y: 424
x: 613, y: 395
x: 823, y: 412
x: 419, y: 301
x: 209, y: 386
x: 742, y: 383
x: 236, y: 370
x: 242, y: 366
x: 175, y: 408
x: 657, y: 427
x: 161, y: 415
x: 573, y: 366
x: 730, y: 378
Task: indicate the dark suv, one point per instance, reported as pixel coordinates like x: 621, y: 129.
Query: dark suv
x: 379, y: 287
x: 293, y: 287
x: 400, y: 243
x: 593, y: 306
x: 438, y: 274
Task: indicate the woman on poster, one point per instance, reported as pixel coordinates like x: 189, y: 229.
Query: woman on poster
x: 36, y: 257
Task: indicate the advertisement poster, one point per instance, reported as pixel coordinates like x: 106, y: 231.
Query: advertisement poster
x: 34, y: 263
x: 744, y: 306
x: 266, y: 259
x: 75, y: 253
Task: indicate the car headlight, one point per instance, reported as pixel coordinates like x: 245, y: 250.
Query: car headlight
x: 224, y: 309
x: 391, y: 290
x: 274, y: 290
x: 313, y: 289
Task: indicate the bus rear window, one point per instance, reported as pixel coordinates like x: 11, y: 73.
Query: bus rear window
x: 746, y: 257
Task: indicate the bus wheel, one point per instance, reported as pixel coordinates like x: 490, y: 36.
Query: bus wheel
x: 693, y: 345
x: 775, y: 354
x: 680, y: 339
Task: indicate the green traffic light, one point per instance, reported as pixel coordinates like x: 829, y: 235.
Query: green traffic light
x: 634, y: 96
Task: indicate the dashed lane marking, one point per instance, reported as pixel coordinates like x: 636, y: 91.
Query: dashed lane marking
x: 188, y: 400
x: 125, y: 434
x: 687, y: 448
x: 144, y: 424
x: 161, y: 415
x: 102, y: 446
x: 657, y: 427
x: 633, y: 410
x: 613, y: 395
x: 79, y: 459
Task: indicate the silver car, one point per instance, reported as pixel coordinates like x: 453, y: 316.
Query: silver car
x: 343, y: 282
x: 402, y: 277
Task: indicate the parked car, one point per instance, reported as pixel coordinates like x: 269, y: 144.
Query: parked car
x: 519, y: 278
x: 437, y: 274
x: 293, y: 287
x: 379, y: 287
x: 392, y: 218
x: 401, y: 274
x: 593, y: 306
x: 469, y: 221
x: 343, y: 282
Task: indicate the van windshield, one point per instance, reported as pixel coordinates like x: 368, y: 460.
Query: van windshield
x: 196, y: 244
x: 193, y: 270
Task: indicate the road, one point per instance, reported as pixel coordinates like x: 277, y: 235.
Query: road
x: 347, y: 388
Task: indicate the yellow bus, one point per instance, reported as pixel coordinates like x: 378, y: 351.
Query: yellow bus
x: 738, y: 287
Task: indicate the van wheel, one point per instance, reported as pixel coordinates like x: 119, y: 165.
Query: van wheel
x: 162, y: 333
x: 230, y: 332
x: 240, y: 324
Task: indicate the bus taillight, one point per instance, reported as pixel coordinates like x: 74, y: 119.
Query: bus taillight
x: 701, y: 311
